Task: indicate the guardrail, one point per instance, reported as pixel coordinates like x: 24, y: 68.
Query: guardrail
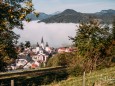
x: 32, y: 72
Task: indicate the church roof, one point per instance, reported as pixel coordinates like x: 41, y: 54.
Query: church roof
x: 47, y: 44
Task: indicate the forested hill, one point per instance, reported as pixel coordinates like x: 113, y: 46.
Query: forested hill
x: 40, y: 17
x: 72, y: 16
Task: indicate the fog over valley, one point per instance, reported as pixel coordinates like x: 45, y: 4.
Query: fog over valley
x: 56, y: 34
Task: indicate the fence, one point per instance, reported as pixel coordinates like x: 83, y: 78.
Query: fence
x: 32, y: 72
x: 11, y: 76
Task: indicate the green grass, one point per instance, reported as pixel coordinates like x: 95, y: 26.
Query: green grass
x: 105, y: 76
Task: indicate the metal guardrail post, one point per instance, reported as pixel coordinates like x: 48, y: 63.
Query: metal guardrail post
x: 83, y: 78
x: 12, y: 82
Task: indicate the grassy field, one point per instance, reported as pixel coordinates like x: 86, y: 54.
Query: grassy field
x: 104, y: 77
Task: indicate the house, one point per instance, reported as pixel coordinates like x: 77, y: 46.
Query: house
x: 61, y: 50
x: 64, y: 49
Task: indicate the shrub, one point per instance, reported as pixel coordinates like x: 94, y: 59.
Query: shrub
x: 70, y: 60
x: 59, y: 60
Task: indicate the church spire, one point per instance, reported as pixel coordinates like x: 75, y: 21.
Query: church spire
x: 42, y: 40
x: 42, y: 43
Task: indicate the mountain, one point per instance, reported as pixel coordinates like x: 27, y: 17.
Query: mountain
x: 71, y: 16
x: 106, y: 16
x: 58, y: 12
x: 40, y: 17
x: 110, y: 11
x: 66, y: 16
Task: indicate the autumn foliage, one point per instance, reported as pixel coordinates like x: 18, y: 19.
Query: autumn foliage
x: 12, y: 13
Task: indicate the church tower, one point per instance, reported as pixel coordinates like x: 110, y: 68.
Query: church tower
x: 47, y: 44
x: 37, y: 44
x: 47, y: 48
x: 37, y: 48
x: 42, y: 43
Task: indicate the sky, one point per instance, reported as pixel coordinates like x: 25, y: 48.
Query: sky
x: 84, y: 6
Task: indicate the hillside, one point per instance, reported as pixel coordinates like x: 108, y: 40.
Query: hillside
x: 106, y: 77
x: 71, y: 16
x: 40, y: 17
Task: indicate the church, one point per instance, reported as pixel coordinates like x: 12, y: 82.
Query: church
x: 42, y: 52
x: 42, y: 48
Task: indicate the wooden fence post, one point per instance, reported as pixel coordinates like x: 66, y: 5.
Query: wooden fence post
x: 12, y: 82
x: 83, y: 84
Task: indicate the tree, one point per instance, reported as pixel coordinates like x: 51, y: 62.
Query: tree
x: 113, y: 30
x: 27, y: 44
x: 92, y: 41
x: 12, y: 13
x: 21, y: 47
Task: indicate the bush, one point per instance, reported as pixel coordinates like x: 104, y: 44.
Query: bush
x: 69, y: 60
x: 75, y: 63
x: 75, y: 71
x: 59, y: 60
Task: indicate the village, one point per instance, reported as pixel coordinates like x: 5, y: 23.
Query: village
x: 37, y: 57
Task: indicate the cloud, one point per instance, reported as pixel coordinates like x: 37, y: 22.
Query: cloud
x: 55, y: 34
